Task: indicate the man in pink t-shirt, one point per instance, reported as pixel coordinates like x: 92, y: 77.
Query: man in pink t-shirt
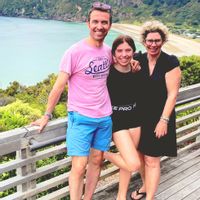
x: 88, y: 67
x: 85, y: 67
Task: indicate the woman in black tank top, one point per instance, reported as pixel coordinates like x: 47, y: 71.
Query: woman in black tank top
x: 124, y: 93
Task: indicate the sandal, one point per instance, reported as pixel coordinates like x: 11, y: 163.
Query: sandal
x: 142, y: 194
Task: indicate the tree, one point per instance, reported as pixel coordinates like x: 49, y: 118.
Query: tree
x: 190, y: 66
x: 14, y: 88
x: 17, y: 114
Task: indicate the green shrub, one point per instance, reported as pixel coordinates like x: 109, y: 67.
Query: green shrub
x: 60, y: 110
x: 5, y: 100
x: 190, y: 66
x: 17, y: 114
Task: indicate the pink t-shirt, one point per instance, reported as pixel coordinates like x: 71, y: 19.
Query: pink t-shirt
x: 88, y: 68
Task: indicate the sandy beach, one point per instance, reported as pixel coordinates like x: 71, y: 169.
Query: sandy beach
x: 176, y: 45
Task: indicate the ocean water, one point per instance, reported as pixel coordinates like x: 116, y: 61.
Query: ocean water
x: 31, y: 49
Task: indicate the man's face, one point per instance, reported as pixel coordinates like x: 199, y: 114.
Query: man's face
x: 99, y: 25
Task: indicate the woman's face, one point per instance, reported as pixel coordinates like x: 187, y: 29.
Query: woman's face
x: 153, y: 43
x: 123, y: 54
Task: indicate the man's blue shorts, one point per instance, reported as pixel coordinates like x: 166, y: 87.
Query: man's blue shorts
x: 85, y: 132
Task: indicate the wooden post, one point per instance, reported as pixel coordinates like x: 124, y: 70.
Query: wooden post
x: 25, y: 170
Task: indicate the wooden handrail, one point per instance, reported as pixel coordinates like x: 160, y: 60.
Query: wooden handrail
x: 29, y: 147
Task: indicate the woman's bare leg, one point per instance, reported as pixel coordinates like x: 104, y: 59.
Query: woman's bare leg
x: 124, y: 175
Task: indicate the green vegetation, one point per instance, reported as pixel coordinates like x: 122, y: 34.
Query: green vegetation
x: 17, y: 114
x: 20, y: 105
x: 185, y: 12
x: 190, y: 66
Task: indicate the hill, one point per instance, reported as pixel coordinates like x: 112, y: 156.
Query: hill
x: 176, y: 12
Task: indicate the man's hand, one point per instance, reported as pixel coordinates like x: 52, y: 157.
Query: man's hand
x: 135, y: 65
x: 42, y: 122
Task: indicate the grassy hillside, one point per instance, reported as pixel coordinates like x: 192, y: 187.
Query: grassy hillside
x: 181, y: 16
x: 178, y: 12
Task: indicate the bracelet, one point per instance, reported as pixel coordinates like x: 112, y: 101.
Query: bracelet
x: 49, y: 115
x: 165, y: 119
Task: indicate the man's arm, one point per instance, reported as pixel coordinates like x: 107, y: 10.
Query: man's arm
x: 53, y: 99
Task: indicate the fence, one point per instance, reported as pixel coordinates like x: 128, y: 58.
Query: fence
x: 35, y: 166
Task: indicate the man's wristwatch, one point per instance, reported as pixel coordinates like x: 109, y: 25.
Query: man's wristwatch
x: 49, y: 115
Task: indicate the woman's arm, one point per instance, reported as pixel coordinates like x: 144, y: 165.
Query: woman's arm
x: 173, y: 79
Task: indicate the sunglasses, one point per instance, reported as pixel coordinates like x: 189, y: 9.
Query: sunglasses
x: 101, y: 6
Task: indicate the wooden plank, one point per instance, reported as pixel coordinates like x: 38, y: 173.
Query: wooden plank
x: 11, y: 182
x: 188, y: 137
x: 108, y: 172
x: 12, y: 135
x: 189, y: 146
x: 32, y: 131
x: 194, y: 195
x: 178, y: 177
x: 15, y: 196
x: 56, y: 195
x: 49, y: 135
x: 104, y: 174
x: 54, y: 129
x: 175, y: 161
x: 178, y: 186
x: 23, y: 171
x: 188, y: 127
x: 188, y: 92
x: 187, y: 117
x: 191, y: 156
x: 108, y: 184
x: 10, y: 147
x: 59, y: 180
x: 42, y: 171
x: 195, y: 184
x: 175, y: 170
x: 187, y: 107
x: 39, y: 156
x: 43, y: 186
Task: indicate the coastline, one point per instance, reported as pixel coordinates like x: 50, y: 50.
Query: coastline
x: 176, y: 44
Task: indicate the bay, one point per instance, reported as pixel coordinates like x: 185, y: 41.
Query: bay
x: 31, y: 49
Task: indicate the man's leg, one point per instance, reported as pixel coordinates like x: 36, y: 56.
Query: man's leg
x: 93, y: 172
x: 100, y: 143
x: 76, y: 177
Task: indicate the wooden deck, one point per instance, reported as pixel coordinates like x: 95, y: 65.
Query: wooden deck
x: 25, y: 178
x: 180, y: 178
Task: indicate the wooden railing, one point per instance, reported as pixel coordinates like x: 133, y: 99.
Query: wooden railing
x: 38, y: 167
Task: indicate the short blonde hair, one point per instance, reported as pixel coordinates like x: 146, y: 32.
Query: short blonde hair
x: 152, y: 27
